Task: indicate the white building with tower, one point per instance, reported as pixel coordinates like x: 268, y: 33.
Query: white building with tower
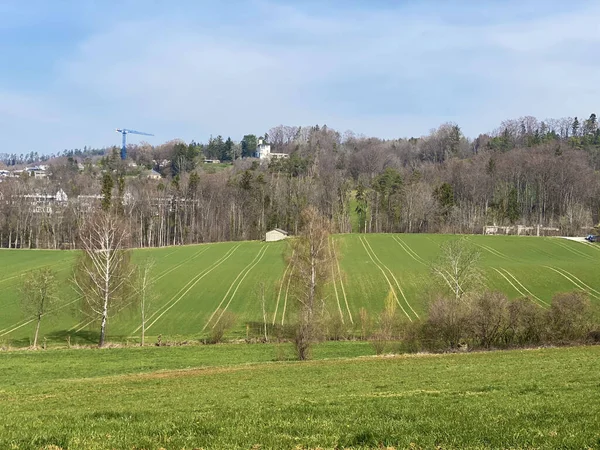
x: 263, y: 151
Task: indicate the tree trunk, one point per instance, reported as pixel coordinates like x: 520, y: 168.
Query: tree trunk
x: 103, y: 328
x: 143, y: 323
x: 37, y: 330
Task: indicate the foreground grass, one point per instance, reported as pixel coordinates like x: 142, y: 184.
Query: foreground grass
x: 237, y: 396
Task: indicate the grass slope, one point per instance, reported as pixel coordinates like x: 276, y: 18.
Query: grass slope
x: 193, y: 282
x: 236, y: 396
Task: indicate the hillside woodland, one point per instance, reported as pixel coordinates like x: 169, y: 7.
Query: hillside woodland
x: 527, y: 172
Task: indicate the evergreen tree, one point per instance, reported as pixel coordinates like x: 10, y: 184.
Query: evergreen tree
x: 249, y: 143
x: 575, y: 127
x: 107, y: 187
x: 512, y: 208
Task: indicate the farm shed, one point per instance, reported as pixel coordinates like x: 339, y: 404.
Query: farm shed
x: 276, y: 234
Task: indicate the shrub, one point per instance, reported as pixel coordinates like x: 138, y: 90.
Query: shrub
x: 569, y: 317
x: 489, y: 319
x: 365, y: 323
x: 336, y: 329
x: 225, y: 321
x: 447, y: 325
x: 387, y: 322
x: 527, y: 323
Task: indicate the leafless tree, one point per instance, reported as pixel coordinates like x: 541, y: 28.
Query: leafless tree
x: 311, y: 262
x: 104, y: 272
x: 144, y: 291
x: 457, y: 268
x: 38, y: 293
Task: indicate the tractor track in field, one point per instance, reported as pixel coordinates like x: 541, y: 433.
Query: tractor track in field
x: 576, y: 281
x: 337, y: 297
x: 160, y: 312
x: 18, y: 325
x: 191, y: 258
x: 337, y: 273
x: 287, y: 290
x: 85, y: 323
x: 572, y: 250
x: 259, y: 256
x: 281, y: 288
x: 504, y: 273
x: 337, y: 263
x: 53, y: 265
x: 380, y: 265
x: 409, y: 251
x: 494, y: 252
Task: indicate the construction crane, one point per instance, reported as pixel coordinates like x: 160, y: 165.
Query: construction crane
x: 125, y: 132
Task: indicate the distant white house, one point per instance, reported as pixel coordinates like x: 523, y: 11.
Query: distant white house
x: 212, y: 161
x: 276, y: 234
x: 263, y: 151
x: 37, y: 171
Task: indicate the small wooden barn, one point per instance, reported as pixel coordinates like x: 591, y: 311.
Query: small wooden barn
x: 276, y: 234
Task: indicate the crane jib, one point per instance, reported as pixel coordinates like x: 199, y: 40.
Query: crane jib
x: 125, y: 132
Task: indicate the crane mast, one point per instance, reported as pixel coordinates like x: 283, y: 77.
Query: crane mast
x: 125, y: 132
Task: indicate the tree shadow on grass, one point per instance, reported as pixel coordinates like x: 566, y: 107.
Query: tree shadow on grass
x: 77, y: 337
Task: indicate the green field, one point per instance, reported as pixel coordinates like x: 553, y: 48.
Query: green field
x: 192, y: 282
x: 238, y: 396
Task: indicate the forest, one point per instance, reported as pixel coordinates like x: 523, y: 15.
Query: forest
x: 526, y: 172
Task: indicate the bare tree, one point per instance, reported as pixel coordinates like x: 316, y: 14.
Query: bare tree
x: 104, y: 271
x: 386, y: 322
x: 263, y: 303
x: 457, y: 268
x: 311, y: 261
x: 38, y: 293
x: 145, y: 293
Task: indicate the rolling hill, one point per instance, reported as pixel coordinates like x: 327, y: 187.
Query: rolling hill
x: 193, y: 283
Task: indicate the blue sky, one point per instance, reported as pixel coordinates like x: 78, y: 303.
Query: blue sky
x: 73, y: 71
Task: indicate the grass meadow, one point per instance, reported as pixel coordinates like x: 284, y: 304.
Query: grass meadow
x: 241, y: 396
x: 192, y: 282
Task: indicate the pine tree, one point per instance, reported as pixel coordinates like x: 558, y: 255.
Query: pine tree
x: 107, y: 187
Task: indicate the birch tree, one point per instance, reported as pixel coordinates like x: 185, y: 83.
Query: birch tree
x: 457, y: 268
x: 104, y: 271
x: 311, y: 262
x: 145, y: 293
x: 38, y: 293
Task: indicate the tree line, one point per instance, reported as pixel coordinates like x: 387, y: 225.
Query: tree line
x: 527, y: 172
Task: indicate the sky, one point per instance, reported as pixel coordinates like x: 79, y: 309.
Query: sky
x: 74, y: 71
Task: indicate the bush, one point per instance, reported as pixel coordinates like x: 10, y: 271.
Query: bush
x: 527, y: 323
x: 387, y: 326
x: 336, y: 329
x: 569, y: 317
x: 489, y: 319
x: 447, y: 325
x: 225, y: 321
